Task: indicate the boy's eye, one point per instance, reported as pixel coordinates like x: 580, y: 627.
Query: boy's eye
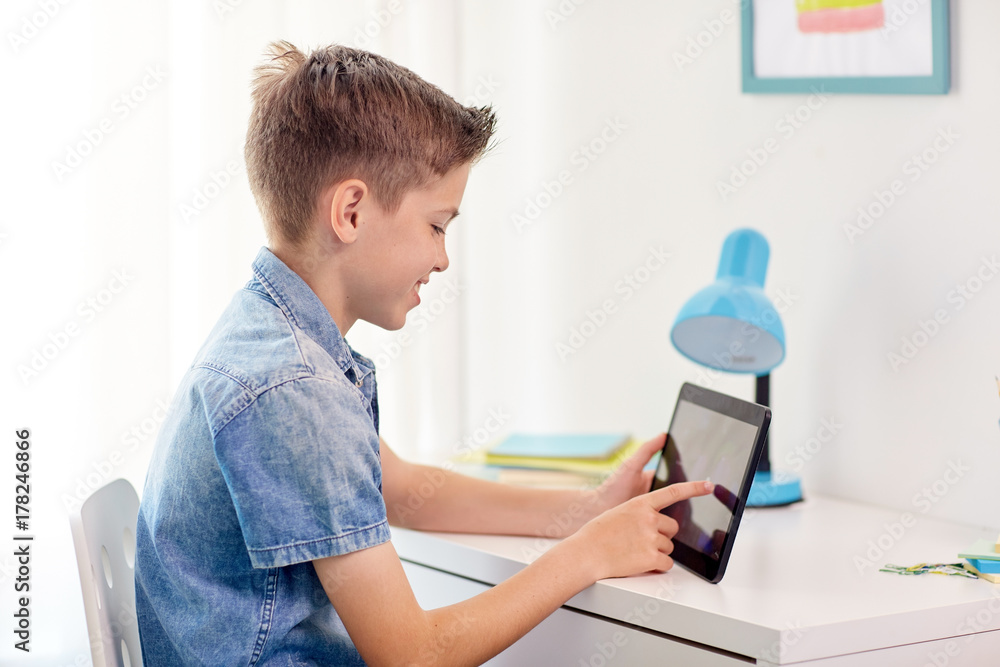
x: 439, y: 230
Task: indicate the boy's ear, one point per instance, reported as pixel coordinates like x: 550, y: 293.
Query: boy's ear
x: 349, y: 199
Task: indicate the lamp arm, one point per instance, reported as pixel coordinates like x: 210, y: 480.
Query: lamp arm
x: 763, y: 397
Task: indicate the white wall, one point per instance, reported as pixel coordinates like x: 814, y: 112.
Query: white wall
x: 493, y: 348
x: 656, y: 185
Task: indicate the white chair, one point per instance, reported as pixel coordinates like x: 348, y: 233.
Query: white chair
x: 104, y: 536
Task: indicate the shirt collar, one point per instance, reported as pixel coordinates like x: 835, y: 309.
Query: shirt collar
x: 305, y: 310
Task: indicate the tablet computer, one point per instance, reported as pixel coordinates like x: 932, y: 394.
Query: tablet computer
x: 717, y: 437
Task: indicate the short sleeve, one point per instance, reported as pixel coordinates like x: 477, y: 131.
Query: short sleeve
x: 302, y: 466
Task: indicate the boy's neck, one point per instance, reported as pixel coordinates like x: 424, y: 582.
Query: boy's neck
x: 308, y: 264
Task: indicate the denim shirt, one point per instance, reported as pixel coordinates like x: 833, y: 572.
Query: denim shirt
x: 268, y: 459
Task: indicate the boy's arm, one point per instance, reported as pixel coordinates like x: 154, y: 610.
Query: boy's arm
x: 374, y: 600
x: 429, y: 498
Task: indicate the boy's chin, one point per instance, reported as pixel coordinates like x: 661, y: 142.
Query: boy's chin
x: 389, y: 322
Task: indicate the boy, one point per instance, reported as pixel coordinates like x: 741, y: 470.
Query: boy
x: 263, y: 534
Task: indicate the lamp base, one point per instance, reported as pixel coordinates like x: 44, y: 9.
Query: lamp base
x: 772, y: 490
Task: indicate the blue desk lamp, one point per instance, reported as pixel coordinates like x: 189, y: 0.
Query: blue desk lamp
x: 732, y: 326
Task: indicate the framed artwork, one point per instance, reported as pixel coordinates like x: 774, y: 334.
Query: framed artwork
x: 846, y: 46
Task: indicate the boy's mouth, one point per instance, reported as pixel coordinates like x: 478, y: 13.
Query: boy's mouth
x: 416, y: 289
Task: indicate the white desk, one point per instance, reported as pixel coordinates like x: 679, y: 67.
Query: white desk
x: 793, y: 593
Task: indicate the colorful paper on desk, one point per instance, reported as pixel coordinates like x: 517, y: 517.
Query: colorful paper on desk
x: 992, y: 578
x: 987, y: 566
x: 588, y: 466
x: 589, y: 446
x: 981, y: 549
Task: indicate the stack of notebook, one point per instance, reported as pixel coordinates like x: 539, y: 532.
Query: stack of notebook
x: 561, y: 459
x: 983, y: 558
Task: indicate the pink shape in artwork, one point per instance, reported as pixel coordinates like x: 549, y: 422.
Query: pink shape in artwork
x: 855, y: 19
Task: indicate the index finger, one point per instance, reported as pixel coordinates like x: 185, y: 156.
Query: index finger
x: 669, y: 495
x: 726, y: 497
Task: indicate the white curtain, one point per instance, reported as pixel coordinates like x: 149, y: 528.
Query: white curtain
x: 128, y: 227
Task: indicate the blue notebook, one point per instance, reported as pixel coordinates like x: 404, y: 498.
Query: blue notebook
x: 592, y: 446
x: 987, y: 566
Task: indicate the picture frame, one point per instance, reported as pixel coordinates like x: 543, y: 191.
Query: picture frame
x: 916, y: 63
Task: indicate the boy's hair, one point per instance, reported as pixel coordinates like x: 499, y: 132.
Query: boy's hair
x: 342, y: 113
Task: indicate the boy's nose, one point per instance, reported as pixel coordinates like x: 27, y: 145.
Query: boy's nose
x: 442, y: 260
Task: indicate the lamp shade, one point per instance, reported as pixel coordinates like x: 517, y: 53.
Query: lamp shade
x: 731, y: 325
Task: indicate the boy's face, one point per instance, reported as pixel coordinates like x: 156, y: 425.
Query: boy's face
x: 397, y: 253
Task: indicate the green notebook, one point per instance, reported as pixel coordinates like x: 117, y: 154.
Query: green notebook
x: 981, y: 549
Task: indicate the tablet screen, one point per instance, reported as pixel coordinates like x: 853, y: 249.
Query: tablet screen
x: 717, y: 438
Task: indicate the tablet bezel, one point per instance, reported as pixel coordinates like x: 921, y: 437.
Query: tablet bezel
x: 756, y: 415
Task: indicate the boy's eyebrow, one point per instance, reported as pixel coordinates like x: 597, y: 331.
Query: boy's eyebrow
x: 454, y: 213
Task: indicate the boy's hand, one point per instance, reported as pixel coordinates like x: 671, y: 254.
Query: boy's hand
x: 633, y: 537
x: 629, y: 479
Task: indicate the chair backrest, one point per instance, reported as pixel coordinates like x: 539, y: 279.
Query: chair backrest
x: 104, y: 537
